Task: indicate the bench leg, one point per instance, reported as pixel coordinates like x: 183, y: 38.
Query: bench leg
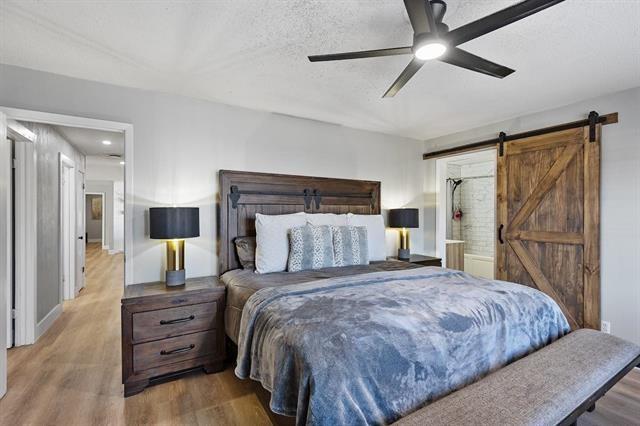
x: 592, y: 408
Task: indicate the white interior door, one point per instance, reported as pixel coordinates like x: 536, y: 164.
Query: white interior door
x: 80, y: 232
x: 5, y: 244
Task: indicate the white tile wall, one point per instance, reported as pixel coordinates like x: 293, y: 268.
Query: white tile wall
x: 477, y: 200
x: 454, y: 227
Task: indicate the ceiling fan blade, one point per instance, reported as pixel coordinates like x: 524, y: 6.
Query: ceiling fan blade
x: 498, y: 20
x: 362, y: 54
x: 404, y: 77
x: 462, y: 58
x: 421, y: 16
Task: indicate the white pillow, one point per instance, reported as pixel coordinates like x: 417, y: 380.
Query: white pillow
x: 319, y: 219
x: 272, y: 241
x: 375, y: 233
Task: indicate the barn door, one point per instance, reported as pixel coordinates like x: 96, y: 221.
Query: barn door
x: 548, y: 217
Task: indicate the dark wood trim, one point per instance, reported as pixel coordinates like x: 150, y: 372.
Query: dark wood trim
x: 591, y: 401
x: 243, y: 194
x: 611, y: 118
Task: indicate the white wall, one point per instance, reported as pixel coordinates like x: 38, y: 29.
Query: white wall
x: 100, y: 168
x: 118, y: 217
x: 620, y: 196
x: 181, y: 143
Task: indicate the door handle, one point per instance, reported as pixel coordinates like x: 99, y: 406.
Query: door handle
x: 500, y: 233
x: 81, y: 237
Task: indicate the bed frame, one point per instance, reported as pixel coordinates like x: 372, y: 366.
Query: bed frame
x: 243, y: 194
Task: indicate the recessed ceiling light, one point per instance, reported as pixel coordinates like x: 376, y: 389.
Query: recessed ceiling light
x: 431, y: 50
x: 122, y: 163
x: 105, y: 142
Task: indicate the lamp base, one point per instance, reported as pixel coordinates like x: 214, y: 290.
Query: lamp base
x: 175, y: 278
x: 404, y: 254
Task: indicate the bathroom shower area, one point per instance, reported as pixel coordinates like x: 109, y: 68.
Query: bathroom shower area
x: 467, y: 217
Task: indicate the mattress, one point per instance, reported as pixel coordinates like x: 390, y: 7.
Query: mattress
x: 242, y: 283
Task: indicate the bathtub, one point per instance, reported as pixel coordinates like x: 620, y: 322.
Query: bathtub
x: 481, y: 266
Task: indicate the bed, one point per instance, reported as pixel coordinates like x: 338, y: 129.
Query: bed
x: 367, y: 344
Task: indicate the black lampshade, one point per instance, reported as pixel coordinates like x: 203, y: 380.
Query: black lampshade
x: 403, y: 218
x: 166, y: 223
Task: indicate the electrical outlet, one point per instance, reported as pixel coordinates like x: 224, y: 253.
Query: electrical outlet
x: 605, y: 327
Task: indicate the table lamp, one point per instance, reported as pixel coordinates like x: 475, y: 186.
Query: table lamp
x: 174, y: 224
x: 403, y: 218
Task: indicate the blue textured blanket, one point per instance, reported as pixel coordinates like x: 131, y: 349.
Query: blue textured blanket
x: 371, y: 348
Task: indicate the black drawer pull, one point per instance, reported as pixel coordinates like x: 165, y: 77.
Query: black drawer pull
x: 177, y: 320
x: 178, y: 351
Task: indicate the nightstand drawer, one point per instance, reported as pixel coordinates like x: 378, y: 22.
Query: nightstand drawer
x: 171, y: 322
x: 182, y: 348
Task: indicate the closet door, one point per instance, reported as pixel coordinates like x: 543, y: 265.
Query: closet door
x: 548, y: 218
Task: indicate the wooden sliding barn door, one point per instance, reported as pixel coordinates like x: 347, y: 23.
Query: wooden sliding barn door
x: 548, y: 217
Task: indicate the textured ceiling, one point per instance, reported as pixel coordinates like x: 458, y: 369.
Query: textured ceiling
x: 253, y: 53
x: 89, y: 141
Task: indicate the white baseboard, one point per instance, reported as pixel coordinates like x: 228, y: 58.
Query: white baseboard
x: 94, y: 240
x: 48, y: 320
x: 115, y: 251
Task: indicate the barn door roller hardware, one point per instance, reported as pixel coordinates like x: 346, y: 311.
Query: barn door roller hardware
x: 307, y: 194
x: 593, y: 120
x: 501, y: 138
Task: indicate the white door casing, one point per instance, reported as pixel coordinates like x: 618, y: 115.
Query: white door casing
x: 5, y: 244
x: 9, y: 287
x: 26, y: 240
x: 80, y: 232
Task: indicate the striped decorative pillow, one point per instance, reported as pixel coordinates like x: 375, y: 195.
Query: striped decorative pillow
x: 350, y: 246
x: 310, y: 247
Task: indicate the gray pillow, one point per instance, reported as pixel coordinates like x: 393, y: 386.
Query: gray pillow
x: 246, y: 249
x: 310, y: 247
x: 350, y: 245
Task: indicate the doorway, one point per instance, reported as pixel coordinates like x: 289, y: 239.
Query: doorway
x: 465, y: 228
x: 67, y: 227
x: 55, y: 258
x: 94, y: 218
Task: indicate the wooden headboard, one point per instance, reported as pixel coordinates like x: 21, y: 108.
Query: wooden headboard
x: 243, y: 194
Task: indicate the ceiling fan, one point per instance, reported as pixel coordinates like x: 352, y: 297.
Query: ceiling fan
x: 433, y: 40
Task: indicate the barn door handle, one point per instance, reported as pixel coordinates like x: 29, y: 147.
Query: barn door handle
x: 500, y: 233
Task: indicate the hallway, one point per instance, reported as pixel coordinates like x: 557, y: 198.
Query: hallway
x: 72, y: 375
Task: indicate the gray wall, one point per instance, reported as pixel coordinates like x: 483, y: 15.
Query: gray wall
x: 180, y: 144
x: 620, y: 196
x: 49, y: 144
x: 93, y: 226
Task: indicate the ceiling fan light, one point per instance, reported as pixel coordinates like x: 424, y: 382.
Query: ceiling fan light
x: 431, y: 50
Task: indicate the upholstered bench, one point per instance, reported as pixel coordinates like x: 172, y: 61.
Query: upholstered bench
x: 554, y: 385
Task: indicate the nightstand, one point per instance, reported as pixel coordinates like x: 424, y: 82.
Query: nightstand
x: 171, y: 330
x: 419, y: 259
